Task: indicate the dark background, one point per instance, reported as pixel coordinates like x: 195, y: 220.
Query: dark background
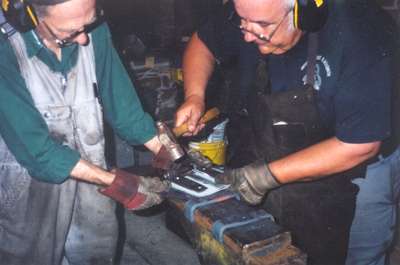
x: 160, y: 24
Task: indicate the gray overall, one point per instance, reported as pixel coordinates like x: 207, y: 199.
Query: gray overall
x: 68, y: 223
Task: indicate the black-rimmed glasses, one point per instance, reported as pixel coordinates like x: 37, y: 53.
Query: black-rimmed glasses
x: 98, y: 19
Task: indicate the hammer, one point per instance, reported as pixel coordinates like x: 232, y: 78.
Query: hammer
x: 168, y: 139
x: 209, y: 115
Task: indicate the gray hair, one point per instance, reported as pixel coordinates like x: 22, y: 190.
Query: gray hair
x: 46, y: 2
x: 40, y: 10
x: 40, y: 6
x: 289, y: 4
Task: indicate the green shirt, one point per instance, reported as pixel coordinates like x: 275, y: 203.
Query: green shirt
x: 25, y: 131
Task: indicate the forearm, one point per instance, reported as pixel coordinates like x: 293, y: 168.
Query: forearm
x: 88, y: 172
x: 322, y: 159
x: 198, y: 65
x: 154, y: 145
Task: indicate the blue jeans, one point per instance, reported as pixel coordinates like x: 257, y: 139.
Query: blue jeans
x: 374, y: 223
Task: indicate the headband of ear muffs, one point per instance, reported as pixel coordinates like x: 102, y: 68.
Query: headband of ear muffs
x: 310, y: 15
x: 20, y: 14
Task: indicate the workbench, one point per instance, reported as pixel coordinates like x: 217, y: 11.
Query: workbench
x: 227, y: 231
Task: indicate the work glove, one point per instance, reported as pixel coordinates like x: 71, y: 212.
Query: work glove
x: 135, y: 192
x: 252, y: 182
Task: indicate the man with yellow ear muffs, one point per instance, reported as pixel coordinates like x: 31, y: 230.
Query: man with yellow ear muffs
x: 318, y: 75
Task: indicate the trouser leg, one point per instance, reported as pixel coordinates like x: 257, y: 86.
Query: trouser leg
x: 93, y: 235
x: 34, y: 220
x: 374, y: 223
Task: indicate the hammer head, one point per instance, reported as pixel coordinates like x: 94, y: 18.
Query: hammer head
x: 167, y: 138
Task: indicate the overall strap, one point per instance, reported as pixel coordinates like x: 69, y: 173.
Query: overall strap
x: 5, y: 27
x: 312, y: 49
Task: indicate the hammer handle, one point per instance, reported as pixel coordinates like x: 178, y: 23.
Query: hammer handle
x: 209, y: 115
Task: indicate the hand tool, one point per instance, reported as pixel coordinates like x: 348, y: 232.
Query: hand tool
x: 209, y: 115
x: 168, y: 137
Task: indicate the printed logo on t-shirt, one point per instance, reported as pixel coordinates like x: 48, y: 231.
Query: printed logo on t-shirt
x: 322, y: 71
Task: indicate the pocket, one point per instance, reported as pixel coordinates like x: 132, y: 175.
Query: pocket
x: 290, y: 137
x: 89, y: 133
x: 88, y: 118
x: 294, y: 105
x: 376, y: 187
x: 58, y: 120
x: 14, y: 183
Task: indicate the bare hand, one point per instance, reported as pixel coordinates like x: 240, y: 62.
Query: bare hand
x: 191, y: 112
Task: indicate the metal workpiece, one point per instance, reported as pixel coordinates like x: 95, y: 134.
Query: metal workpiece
x: 198, y: 159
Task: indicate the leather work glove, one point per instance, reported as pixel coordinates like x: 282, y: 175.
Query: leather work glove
x: 135, y: 192
x: 252, y: 181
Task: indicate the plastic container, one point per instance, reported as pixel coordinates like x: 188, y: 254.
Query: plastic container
x: 215, y: 151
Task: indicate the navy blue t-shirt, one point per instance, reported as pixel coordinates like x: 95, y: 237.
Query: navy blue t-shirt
x: 353, y: 67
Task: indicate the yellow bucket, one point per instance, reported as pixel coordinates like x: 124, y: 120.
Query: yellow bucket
x: 215, y: 151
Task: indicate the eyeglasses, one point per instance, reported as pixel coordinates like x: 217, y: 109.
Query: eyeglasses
x: 97, y: 20
x: 237, y: 21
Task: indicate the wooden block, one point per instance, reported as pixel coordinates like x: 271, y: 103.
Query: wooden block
x: 261, y: 242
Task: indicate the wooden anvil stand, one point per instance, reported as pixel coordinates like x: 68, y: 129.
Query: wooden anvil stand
x: 227, y: 231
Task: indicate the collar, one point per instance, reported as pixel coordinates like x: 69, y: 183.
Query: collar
x: 35, y: 47
x: 32, y: 42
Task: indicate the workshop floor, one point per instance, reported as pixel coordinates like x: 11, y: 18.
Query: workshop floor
x: 149, y: 242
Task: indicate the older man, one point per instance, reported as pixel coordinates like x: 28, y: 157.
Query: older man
x: 320, y: 118
x: 58, y: 77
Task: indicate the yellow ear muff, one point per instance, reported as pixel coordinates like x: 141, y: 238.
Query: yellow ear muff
x: 5, y: 5
x: 319, y: 2
x: 19, y: 14
x: 31, y: 15
x: 296, y: 15
x: 310, y: 15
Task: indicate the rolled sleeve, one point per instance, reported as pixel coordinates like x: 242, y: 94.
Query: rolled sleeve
x: 56, y: 170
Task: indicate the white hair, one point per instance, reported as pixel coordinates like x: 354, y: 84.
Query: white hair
x: 40, y: 10
x: 289, y: 4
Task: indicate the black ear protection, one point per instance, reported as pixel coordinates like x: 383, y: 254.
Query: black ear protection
x: 310, y: 15
x: 20, y: 14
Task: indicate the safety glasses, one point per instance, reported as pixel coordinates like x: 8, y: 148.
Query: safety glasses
x: 97, y: 20
x: 243, y: 24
